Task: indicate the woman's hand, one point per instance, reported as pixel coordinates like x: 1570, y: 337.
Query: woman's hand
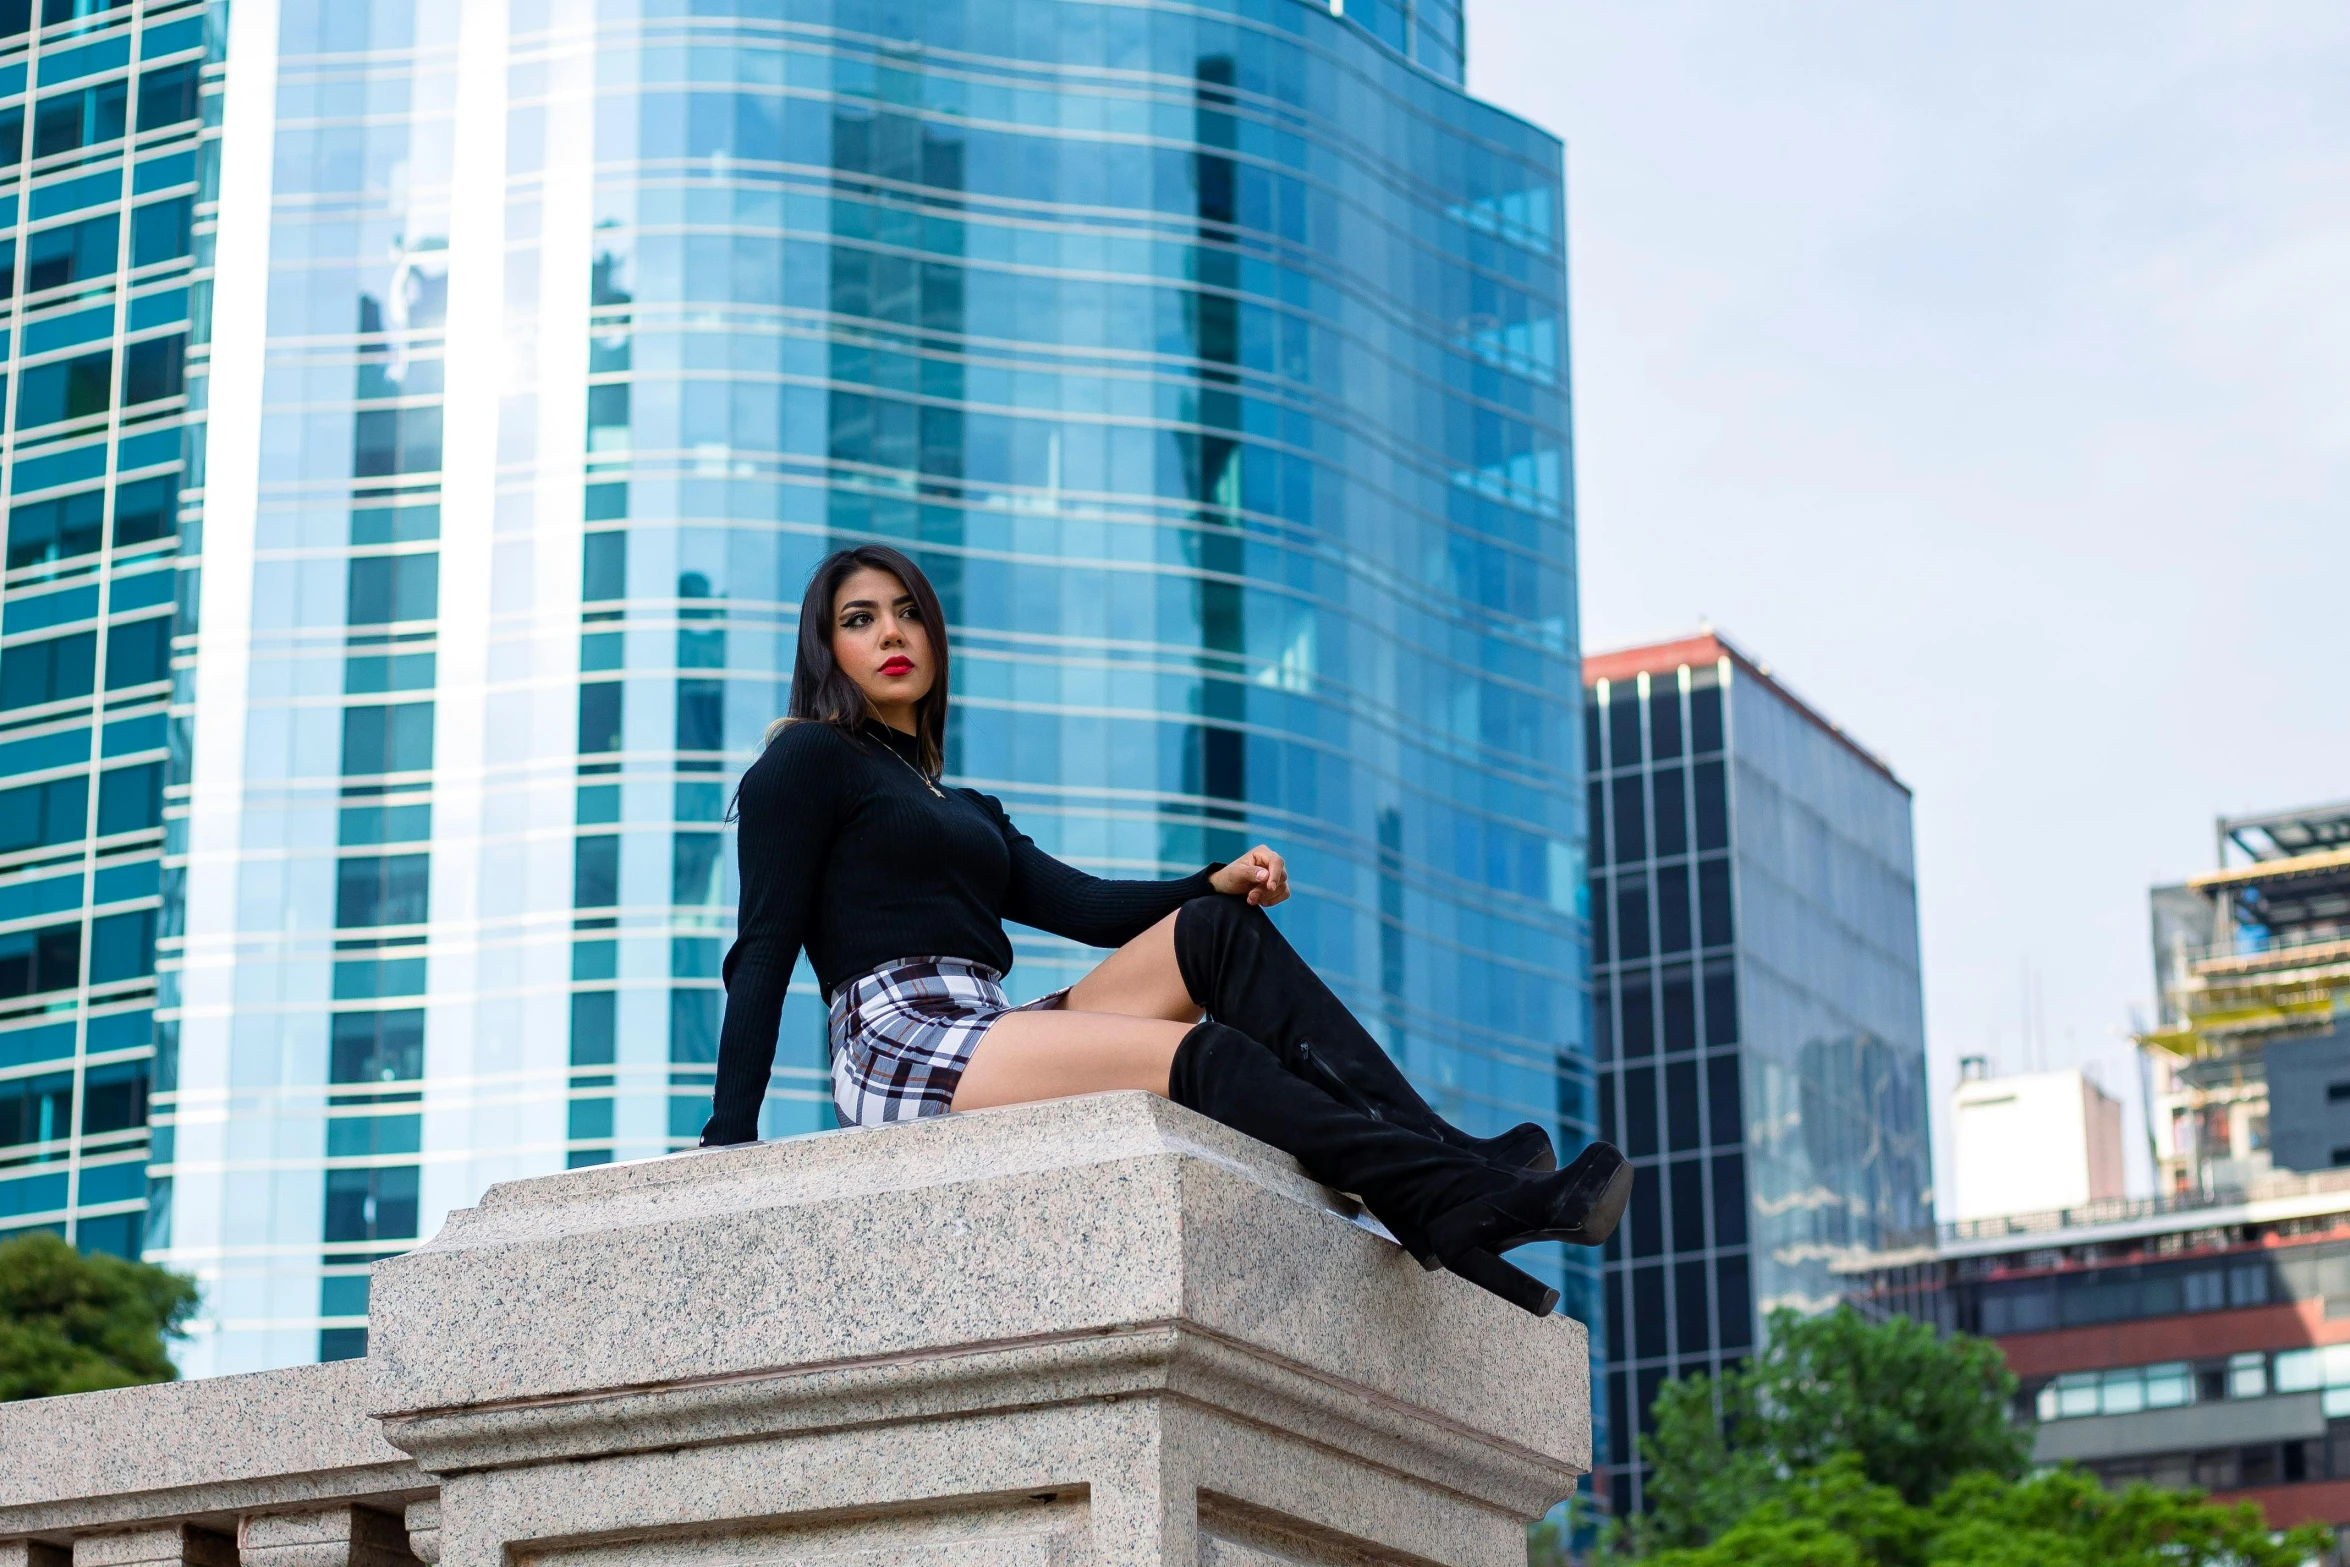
x: 1260, y: 874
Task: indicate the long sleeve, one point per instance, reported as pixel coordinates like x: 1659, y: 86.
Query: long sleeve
x: 789, y: 804
x: 1064, y: 900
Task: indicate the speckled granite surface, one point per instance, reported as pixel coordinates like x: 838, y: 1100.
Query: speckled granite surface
x: 1098, y: 1330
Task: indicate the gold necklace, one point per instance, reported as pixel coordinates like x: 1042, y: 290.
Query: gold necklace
x: 911, y: 768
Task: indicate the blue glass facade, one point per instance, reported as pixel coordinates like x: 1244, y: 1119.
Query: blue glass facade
x: 107, y: 119
x: 1758, y: 1014
x: 1211, y: 359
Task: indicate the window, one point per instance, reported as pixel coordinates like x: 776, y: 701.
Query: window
x: 396, y: 440
x: 63, y: 389
x: 146, y: 510
x: 371, y: 1205
x: 44, y: 813
x: 693, y: 869
x: 36, y: 1109
x: 1721, y: 1003
x: 80, y: 118
x: 56, y: 529
x: 1672, y: 911
x: 1672, y: 827
x: 701, y: 715
x: 159, y: 232
x: 1711, y: 797
x: 389, y: 889
x: 385, y: 588
x: 122, y: 946
x: 138, y: 652
x: 2247, y: 1375
x: 1623, y: 725
x: 12, y: 137
x: 1631, y: 920
x: 1705, y: 719
x: 1688, y: 1204
x: 377, y: 1047
x: 595, y: 872
x: 1631, y: 835
x: 1716, y: 922
x: 604, y: 566
x: 129, y: 799
x: 169, y: 94
x: 114, y: 1098
x: 595, y: 1028
x: 599, y: 717
x: 154, y: 369
x: 393, y: 738
x: 70, y: 253
x: 1692, y: 1312
x: 2124, y: 1391
x: 1640, y: 1133
x: 32, y: 961
x: 55, y: 670
x: 1681, y: 1107
x: 1729, y: 1175
x: 1664, y: 718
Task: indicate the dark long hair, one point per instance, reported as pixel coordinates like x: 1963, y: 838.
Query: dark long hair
x: 822, y: 692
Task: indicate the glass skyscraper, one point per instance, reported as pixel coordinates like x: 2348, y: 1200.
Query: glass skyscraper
x: 1211, y: 358
x: 1758, y: 1015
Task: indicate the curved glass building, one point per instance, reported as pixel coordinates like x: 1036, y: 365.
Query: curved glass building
x: 1211, y: 357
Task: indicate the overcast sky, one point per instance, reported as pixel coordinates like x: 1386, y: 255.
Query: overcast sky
x: 1984, y: 367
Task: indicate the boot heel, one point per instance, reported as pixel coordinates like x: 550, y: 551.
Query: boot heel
x: 1513, y: 1284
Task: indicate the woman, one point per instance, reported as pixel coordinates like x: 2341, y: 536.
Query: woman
x: 898, y: 887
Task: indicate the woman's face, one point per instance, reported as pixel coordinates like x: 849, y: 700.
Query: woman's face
x: 879, y: 641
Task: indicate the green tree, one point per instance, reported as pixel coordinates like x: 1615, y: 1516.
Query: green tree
x: 1834, y: 1516
x: 1915, y: 1410
x: 74, y: 1324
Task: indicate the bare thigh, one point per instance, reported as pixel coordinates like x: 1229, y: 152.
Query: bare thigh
x: 1119, y: 1030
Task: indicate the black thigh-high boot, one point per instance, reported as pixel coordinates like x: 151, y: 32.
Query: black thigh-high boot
x: 1236, y: 963
x: 1403, y: 1178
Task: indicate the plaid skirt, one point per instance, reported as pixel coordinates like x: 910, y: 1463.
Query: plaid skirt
x: 902, y: 1035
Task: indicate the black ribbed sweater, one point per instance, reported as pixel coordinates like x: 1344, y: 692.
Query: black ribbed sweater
x: 846, y: 852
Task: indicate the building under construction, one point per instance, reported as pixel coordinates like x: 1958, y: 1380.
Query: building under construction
x: 2251, y: 1058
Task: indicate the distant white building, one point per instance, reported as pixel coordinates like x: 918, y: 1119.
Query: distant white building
x: 2031, y: 1143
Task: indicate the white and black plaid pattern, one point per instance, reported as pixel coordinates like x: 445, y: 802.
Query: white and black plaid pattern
x: 902, y: 1035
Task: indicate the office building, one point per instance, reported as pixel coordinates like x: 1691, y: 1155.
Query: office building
x: 107, y: 129
x: 2032, y: 1142
x: 1757, y: 1012
x: 2250, y: 1056
x: 1211, y: 358
x: 2191, y: 1339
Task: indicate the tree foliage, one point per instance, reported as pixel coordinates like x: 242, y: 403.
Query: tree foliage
x: 1914, y: 1409
x: 74, y: 1324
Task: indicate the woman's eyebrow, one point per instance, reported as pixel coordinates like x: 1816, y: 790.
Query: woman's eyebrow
x: 856, y: 604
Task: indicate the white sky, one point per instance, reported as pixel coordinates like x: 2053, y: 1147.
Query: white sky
x: 1985, y: 369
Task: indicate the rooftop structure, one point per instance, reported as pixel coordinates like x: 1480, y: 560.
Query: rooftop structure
x: 2035, y: 1141
x: 2252, y: 970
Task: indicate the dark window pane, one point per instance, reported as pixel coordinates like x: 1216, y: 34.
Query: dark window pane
x: 1603, y: 1023
x: 114, y: 1098
x: 603, y: 572
x: 1735, y: 1306
x: 1713, y: 806
x: 599, y: 717
x: 82, y: 117
x: 1680, y: 1011
x: 377, y: 1047
x: 1681, y: 1107
x: 1595, y: 829
x: 1631, y: 919
x: 1705, y: 719
x: 595, y: 1029
x: 1670, y: 825
x: 1672, y: 907
x: 1729, y: 1199
x: 36, y: 1109
x: 74, y: 388
x: 1664, y: 718
x: 1721, y: 1004
x: 393, y: 738
x: 371, y: 1205
x: 32, y: 961
x: 390, y: 889
x: 1631, y: 837
x: 1691, y: 1309
x: 70, y: 253
x: 385, y: 588
x: 122, y: 946
x: 1723, y: 1108
x: 56, y: 529
x: 1591, y: 731
x: 167, y: 94
x: 693, y: 869
x: 1648, y: 1316
x: 11, y: 123
x: 1619, y: 1418
x: 595, y: 872
x: 1639, y: 1013
x: 129, y: 798
x: 1688, y: 1206
x: 154, y: 368
x: 1715, y: 925
x: 54, y: 670
x: 1640, y: 1112
x: 146, y: 510
x: 138, y: 653
x: 1607, y: 1108
x: 693, y: 1028
x: 159, y: 232
x: 701, y: 715
x: 1623, y: 725
x: 40, y: 814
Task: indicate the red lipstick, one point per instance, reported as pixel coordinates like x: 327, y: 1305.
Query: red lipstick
x: 898, y: 666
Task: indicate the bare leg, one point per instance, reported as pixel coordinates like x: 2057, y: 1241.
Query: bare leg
x: 1120, y: 1030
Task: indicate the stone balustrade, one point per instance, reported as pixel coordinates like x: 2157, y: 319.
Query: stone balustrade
x: 1100, y: 1330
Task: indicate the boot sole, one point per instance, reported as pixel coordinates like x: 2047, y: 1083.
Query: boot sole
x: 1599, y: 1222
